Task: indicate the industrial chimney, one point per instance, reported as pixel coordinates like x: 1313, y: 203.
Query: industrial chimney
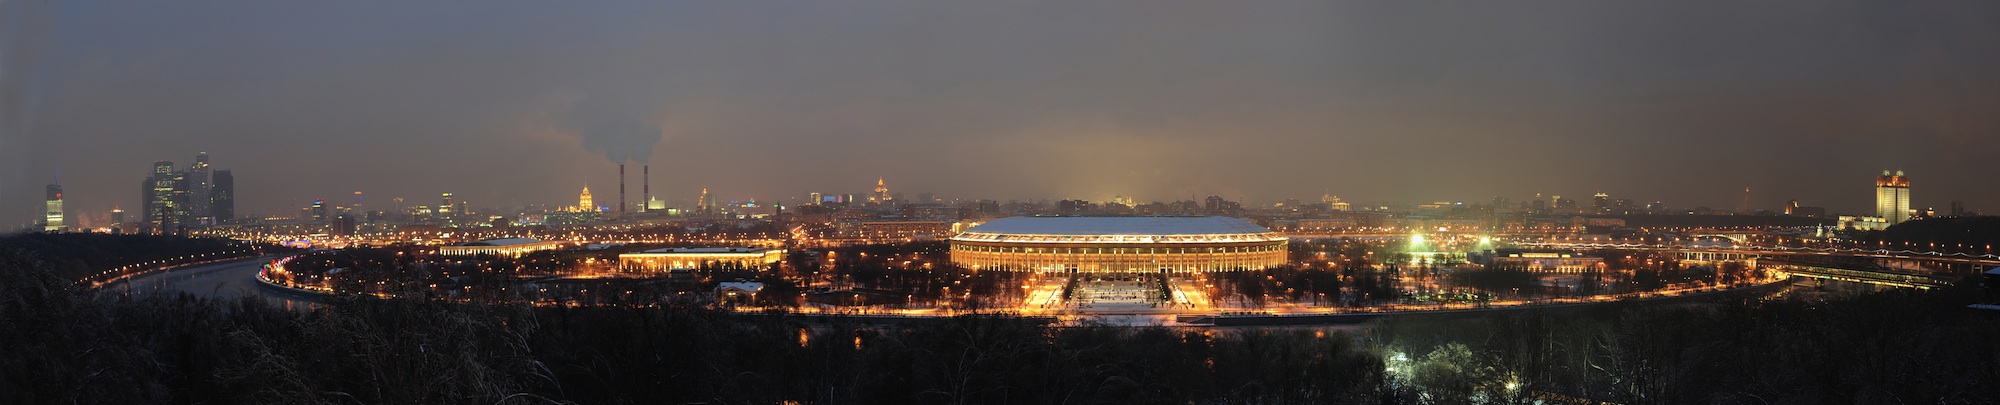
x: 645, y: 187
x: 621, y: 189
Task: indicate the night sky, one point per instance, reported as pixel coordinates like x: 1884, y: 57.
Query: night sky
x: 509, y: 103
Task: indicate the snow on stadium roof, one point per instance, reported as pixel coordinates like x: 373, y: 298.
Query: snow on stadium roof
x: 1154, y: 226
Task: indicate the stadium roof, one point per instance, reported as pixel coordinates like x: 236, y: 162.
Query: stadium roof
x: 503, y: 242
x: 710, y: 250
x: 1147, y: 226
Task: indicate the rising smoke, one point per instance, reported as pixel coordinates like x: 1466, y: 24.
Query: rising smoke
x: 622, y: 130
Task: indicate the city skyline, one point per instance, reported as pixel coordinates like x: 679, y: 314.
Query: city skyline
x: 187, y: 192
x: 908, y: 201
x: 1412, y: 103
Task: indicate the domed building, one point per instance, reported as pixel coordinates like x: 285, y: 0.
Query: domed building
x: 1118, y: 245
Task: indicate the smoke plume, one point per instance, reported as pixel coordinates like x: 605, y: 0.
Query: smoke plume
x: 620, y: 130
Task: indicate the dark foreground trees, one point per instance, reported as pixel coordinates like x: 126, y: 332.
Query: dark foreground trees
x: 67, y: 346
x: 1886, y: 347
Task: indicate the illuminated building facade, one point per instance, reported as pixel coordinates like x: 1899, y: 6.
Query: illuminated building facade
x: 583, y: 202
x: 160, y: 201
x: 1118, y: 245
x: 55, y: 210
x: 499, y: 247
x: 893, y: 231
x: 662, y: 260
x: 445, y: 213
x: 881, y: 192
x: 1548, y: 262
x: 1847, y: 222
x: 1892, y: 197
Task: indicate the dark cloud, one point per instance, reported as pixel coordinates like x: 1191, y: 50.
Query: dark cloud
x: 523, y: 102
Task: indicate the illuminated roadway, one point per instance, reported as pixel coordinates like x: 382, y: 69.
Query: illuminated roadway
x: 224, y: 281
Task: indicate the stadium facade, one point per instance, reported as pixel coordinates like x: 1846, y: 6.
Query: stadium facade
x: 1118, y: 245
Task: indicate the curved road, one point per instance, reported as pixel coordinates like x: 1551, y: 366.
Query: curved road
x: 226, y: 281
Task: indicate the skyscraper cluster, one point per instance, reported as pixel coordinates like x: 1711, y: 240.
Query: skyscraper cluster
x: 177, y: 200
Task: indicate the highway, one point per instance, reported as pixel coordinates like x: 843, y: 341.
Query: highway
x: 227, y: 280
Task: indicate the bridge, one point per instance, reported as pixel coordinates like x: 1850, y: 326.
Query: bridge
x: 1898, y: 268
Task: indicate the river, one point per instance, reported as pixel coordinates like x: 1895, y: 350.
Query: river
x: 225, y: 281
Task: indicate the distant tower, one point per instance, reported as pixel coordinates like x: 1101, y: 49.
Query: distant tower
x: 200, y: 189
x: 881, y: 192
x: 55, y: 211
x: 621, y: 189
x: 645, y: 187
x: 583, y: 203
x: 319, y: 211
x: 444, y: 212
x: 222, y: 197
x: 1892, y: 197
x: 359, y: 213
x: 1745, y: 207
x: 117, y: 219
x: 160, y: 202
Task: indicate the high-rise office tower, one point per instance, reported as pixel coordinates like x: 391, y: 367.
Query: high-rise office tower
x: 1892, y: 197
x: 160, y: 202
x: 444, y: 213
x: 199, y: 187
x: 117, y: 219
x: 182, y: 196
x: 55, y: 210
x: 222, y: 198
x: 319, y: 211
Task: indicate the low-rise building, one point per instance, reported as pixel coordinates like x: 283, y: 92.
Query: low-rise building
x: 499, y: 247
x: 1546, y: 262
x: 1849, y: 222
x: 663, y: 260
x: 893, y: 231
x: 738, y: 292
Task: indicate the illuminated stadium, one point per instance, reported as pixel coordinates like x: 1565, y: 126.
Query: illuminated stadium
x: 1118, y: 245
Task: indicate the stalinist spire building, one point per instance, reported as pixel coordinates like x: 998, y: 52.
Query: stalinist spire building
x: 881, y: 192
x: 583, y: 203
